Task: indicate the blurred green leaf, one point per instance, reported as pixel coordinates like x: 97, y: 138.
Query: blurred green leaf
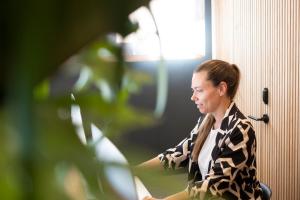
x: 42, y: 90
x: 9, y: 165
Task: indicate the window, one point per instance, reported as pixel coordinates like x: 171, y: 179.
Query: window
x: 180, y: 25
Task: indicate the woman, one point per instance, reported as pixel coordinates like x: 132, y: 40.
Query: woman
x: 220, y: 152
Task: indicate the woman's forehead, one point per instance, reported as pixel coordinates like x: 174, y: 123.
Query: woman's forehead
x: 199, y: 79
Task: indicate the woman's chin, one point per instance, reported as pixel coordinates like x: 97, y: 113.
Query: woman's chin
x: 201, y: 110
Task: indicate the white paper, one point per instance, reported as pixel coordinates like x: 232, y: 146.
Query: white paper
x: 141, y: 190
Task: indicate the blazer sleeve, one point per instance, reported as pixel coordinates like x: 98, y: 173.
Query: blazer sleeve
x: 237, y: 154
x: 178, y: 157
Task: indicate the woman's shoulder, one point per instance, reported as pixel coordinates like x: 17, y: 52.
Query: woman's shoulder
x: 238, y: 115
x: 242, y: 127
x: 238, y: 121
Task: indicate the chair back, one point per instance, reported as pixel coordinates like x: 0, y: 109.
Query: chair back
x: 267, y: 192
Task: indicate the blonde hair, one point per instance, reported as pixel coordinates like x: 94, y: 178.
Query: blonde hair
x: 217, y: 71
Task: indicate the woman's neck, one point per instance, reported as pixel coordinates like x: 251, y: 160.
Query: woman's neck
x: 220, y: 112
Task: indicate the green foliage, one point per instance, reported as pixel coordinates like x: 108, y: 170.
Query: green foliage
x: 41, y: 156
x: 9, y: 163
x: 39, y: 150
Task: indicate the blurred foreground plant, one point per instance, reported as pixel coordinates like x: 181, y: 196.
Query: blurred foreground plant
x: 40, y: 152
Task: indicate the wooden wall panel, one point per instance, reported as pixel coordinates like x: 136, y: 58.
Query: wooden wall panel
x: 262, y: 38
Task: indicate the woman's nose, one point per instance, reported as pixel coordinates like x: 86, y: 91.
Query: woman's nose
x: 193, y: 97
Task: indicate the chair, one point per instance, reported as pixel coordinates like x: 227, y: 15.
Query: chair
x: 267, y: 192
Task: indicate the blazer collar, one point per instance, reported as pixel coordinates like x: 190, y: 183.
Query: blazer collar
x: 230, y: 116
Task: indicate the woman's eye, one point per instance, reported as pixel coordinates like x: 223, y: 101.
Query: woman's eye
x: 197, y: 91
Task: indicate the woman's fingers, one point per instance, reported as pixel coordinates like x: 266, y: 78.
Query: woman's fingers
x: 149, y: 198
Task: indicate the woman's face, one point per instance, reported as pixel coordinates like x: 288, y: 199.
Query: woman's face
x: 205, y: 95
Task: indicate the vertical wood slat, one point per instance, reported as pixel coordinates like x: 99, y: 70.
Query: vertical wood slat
x: 296, y: 30
x: 262, y: 37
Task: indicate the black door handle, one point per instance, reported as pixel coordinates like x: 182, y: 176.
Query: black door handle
x: 264, y: 118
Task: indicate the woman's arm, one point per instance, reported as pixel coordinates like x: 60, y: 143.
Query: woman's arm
x: 153, y: 163
x: 183, y: 195
x: 176, y: 157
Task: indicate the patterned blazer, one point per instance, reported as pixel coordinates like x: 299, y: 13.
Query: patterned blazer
x: 232, y: 169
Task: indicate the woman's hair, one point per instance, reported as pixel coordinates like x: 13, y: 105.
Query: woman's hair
x: 217, y: 71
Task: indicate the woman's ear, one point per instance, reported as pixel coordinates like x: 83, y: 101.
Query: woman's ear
x: 222, y: 88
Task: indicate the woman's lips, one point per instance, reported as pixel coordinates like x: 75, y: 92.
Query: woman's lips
x: 199, y: 105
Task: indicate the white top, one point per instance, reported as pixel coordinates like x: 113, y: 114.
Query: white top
x: 205, y: 153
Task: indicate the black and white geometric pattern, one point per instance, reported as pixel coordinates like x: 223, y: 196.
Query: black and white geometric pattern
x: 232, y: 169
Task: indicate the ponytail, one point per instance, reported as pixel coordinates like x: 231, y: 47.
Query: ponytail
x: 203, y: 132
